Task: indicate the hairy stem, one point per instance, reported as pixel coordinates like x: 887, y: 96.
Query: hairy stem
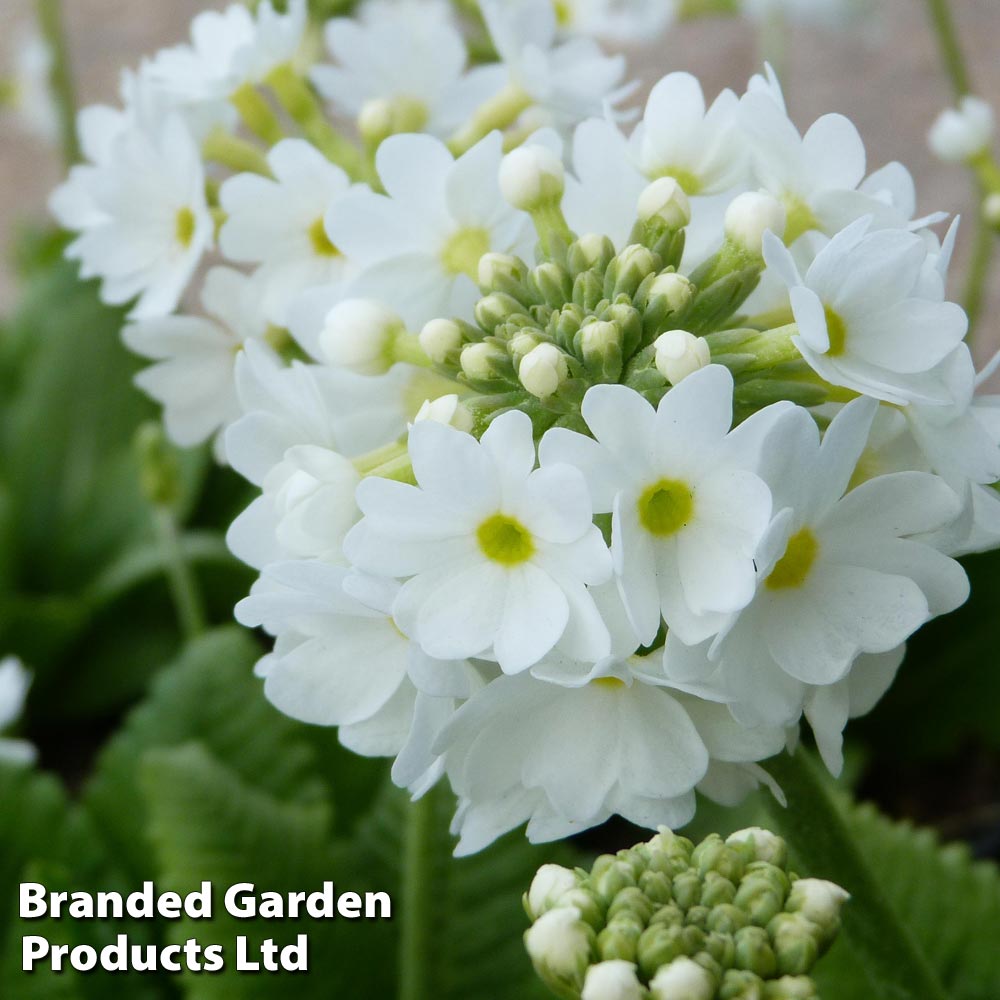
x: 818, y: 834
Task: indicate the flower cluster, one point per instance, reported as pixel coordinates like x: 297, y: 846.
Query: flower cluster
x: 592, y: 457
x: 666, y: 920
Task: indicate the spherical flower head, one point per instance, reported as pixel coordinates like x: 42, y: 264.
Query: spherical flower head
x: 446, y: 410
x: 679, y: 354
x: 439, y: 338
x: 676, y: 290
x: 359, y: 334
x: 531, y: 177
x: 543, y: 370
x: 749, y: 216
x: 551, y: 882
x: 682, y: 979
x: 665, y: 199
x: 960, y: 134
x: 612, y: 980
x: 560, y: 946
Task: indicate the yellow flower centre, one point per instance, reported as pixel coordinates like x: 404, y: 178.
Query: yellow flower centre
x: 610, y: 683
x: 793, y: 567
x: 665, y: 507
x: 184, y: 226
x: 463, y: 249
x: 321, y: 243
x: 836, y: 330
x: 505, y: 540
x: 688, y: 179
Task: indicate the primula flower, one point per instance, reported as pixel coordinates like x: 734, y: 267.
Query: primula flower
x: 498, y: 555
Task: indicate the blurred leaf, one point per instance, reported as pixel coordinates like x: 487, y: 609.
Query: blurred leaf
x: 209, y: 695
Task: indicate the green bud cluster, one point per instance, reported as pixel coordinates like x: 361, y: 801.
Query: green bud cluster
x: 733, y: 908
x: 584, y: 314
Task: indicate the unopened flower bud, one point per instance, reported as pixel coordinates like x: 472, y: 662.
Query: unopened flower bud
x: 549, y: 884
x: 791, y: 988
x: 762, y: 845
x: 796, y: 943
x: 609, y: 876
x: 962, y: 133
x: 561, y: 946
x: 585, y: 901
x: 532, y: 176
x: 481, y: 361
x: 665, y: 199
x: 620, y: 938
x: 589, y: 252
x: 439, y: 338
x: 495, y: 268
x: 752, y: 214
x: 521, y: 344
x: 496, y: 308
x: 634, y: 264
x: 818, y: 901
x: 737, y: 984
x: 375, y: 120
x: 712, y: 854
x: 754, y: 952
x: 598, y: 340
x: 675, y: 288
x: 448, y: 410
x: 543, y: 370
x: 679, y: 354
x: 552, y: 282
x: 359, y: 334
x: 612, y: 980
x: 682, y: 979
x: 658, y: 945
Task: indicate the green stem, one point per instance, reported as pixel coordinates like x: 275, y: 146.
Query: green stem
x: 180, y: 579
x: 979, y: 269
x: 257, y: 114
x: 418, y: 890
x: 50, y: 22
x: 497, y: 113
x: 820, y: 837
x: 951, y: 50
x: 235, y: 153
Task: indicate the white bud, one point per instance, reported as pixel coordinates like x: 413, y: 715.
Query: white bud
x: 665, y: 198
x: 520, y: 345
x: 549, y: 884
x: 612, y: 980
x: 559, y: 944
x: 961, y: 133
x: 817, y: 900
x: 493, y: 266
x: 479, y: 361
x: 767, y: 846
x: 991, y: 209
x: 448, y: 410
x: 675, y: 288
x: 591, y: 250
x: 752, y: 214
x: 679, y: 354
x: 439, y: 338
x: 596, y: 338
x: 542, y: 370
x: 359, y: 334
x: 376, y: 120
x: 531, y: 176
x: 682, y: 979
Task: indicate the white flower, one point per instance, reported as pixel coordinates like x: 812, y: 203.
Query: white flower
x: 228, y: 48
x: 31, y: 94
x: 324, y: 634
x: 817, y: 900
x: 143, y: 219
x: 498, y: 556
x: 862, y: 321
x: 309, y: 405
x: 408, y: 59
x: 279, y: 223
x: 960, y: 134
x: 570, y: 743
x: 840, y: 575
x: 612, y: 980
x: 621, y: 21
x: 305, y: 509
x: 567, y: 82
x: 14, y: 684
x: 194, y: 377
x: 421, y: 242
x: 688, y: 509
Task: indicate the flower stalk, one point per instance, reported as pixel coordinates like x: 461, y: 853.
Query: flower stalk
x: 50, y: 23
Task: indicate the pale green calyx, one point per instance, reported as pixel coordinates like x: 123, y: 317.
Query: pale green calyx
x: 726, y: 920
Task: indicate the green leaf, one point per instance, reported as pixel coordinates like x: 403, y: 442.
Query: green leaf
x: 208, y: 823
x: 209, y: 695
x: 950, y: 903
